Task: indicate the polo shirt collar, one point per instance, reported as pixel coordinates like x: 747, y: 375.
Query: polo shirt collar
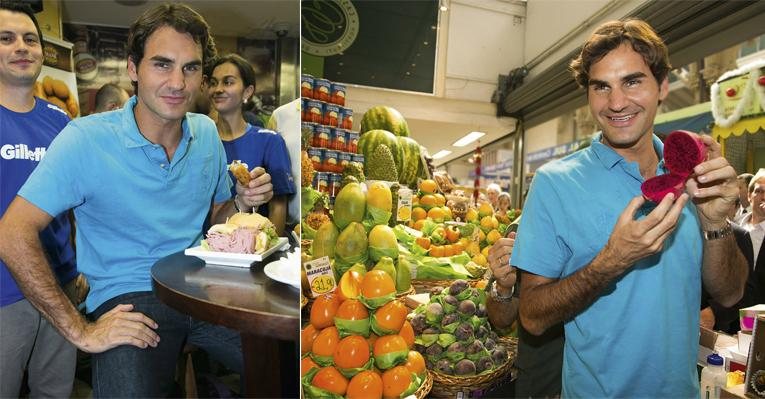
x: 609, y: 158
x: 132, y: 136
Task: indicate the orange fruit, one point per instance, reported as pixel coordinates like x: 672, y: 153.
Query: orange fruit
x: 365, y: 385
x: 485, y: 209
x: 458, y: 247
x: 419, y: 213
x: 323, y: 311
x: 326, y: 342
x: 395, y: 381
x: 352, y: 309
x: 307, y: 336
x: 418, y: 224
x: 423, y: 242
x: 415, y: 363
x: 436, y: 213
x: 448, y: 250
x: 428, y: 186
x: 306, y: 364
x: 447, y: 212
x: 352, y: 352
x: 471, y: 215
x: 391, y: 316
x: 376, y: 283
x: 452, y: 234
x: 436, y: 251
x: 389, y: 344
x: 407, y: 333
x: 440, y: 199
x: 428, y: 200
x: 493, y: 236
x: 349, y: 284
x: 328, y: 378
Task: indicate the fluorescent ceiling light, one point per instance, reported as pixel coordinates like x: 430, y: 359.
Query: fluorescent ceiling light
x: 441, y: 154
x: 469, y: 138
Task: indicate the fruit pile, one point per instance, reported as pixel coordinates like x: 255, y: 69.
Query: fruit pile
x: 453, y: 332
x: 360, y: 346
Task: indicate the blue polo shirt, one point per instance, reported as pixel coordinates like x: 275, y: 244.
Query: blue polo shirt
x: 24, y: 141
x: 640, y: 336
x: 132, y: 206
x: 265, y: 148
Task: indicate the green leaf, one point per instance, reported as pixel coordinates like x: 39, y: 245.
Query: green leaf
x: 444, y: 340
x: 426, y: 339
x: 379, y: 330
x: 349, y: 373
x: 413, y: 386
x: 323, y: 361
x: 402, y: 235
x: 478, y: 355
x: 306, y: 231
x: 476, y: 321
x: 345, y: 262
x: 388, y: 360
x: 352, y: 327
x: 374, y: 303
x: 451, y: 328
x: 308, y: 199
x: 376, y: 253
x: 374, y: 216
x: 454, y: 356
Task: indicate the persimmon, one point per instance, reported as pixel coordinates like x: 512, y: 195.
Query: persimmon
x: 352, y: 352
x: 323, y: 311
x: 329, y: 379
x: 365, y: 385
x: 395, y: 381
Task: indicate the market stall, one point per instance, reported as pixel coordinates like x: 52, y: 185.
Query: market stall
x: 738, y: 106
x: 394, y: 263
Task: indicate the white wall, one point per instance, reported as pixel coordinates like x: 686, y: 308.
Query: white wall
x: 541, y: 136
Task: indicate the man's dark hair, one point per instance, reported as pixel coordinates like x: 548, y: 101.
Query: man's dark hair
x: 23, y: 8
x: 108, y: 93
x: 178, y: 16
x: 245, y: 71
x: 643, y: 39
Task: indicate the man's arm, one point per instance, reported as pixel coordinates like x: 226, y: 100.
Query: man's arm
x: 277, y: 213
x: 546, y: 302
x: 724, y: 270
x: 22, y: 252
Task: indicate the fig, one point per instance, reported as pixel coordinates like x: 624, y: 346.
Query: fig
x: 434, y: 312
x: 481, y: 310
x: 483, y: 364
x: 499, y: 354
x: 464, y: 367
x: 489, y: 344
x: 418, y: 323
x: 482, y: 332
x: 431, y: 330
x: 474, y: 347
x: 449, y: 319
x: 466, y: 308
x: 464, y: 332
x: 457, y: 287
x: 444, y: 366
x: 451, y: 300
x: 434, y: 351
x: 436, y: 290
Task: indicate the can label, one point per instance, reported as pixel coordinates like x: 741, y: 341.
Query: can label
x: 358, y: 158
x: 330, y: 162
x: 321, y: 136
x: 337, y: 95
x: 345, y: 159
x: 346, y: 118
x: 321, y: 89
x: 306, y: 86
x: 321, y: 182
x: 337, y: 139
x: 331, y: 114
x: 314, y: 111
x: 353, y: 142
x: 315, y: 155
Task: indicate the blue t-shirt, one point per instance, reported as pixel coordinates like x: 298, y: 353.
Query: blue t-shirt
x: 265, y: 148
x: 132, y: 206
x: 24, y: 140
x: 640, y: 336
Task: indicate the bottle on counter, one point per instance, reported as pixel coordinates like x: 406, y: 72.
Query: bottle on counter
x: 713, y: 377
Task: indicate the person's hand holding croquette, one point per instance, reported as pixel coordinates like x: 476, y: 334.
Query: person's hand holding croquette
x: 253, y: 188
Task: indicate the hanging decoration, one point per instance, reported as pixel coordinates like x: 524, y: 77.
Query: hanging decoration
x: 754, y: 86
x: 477, y: 183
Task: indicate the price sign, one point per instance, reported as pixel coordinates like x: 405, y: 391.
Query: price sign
x: 321, y: 278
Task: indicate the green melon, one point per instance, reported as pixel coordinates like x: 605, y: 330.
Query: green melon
x: 371, y: 139
x: 385, y: 118
x: 407, y: 172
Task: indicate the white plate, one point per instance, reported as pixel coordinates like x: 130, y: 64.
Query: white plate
x: 284, y: 271
x: 233, y: 259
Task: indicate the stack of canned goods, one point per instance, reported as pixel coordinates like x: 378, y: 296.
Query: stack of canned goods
x: 333, y: 143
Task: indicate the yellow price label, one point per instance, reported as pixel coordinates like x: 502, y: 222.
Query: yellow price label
x: 322, y: 284
x: 320, y: 276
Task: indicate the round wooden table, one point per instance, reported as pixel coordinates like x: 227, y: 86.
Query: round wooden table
x: 264, y: 311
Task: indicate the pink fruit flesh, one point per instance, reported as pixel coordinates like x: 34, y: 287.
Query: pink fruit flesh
x: 657, y: 187
x: 682, y: 152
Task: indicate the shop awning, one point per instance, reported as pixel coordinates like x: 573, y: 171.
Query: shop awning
x: 696, y: 118
x: 751, y: 126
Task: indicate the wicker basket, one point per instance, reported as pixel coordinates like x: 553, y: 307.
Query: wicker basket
x: 406, y: 293
x: 425, y: 387
x: 450, y: 386
x: 422, y: 286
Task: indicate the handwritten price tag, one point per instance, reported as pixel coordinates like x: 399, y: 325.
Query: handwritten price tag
x: 321, y: 279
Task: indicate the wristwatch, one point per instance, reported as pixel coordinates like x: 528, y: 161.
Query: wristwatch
x: 496, y: 296
x: 710, y: 235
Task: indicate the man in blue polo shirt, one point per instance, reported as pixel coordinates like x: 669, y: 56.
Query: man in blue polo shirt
x: 141, y: 181
x: 624, y: 277
x: 27, y: 126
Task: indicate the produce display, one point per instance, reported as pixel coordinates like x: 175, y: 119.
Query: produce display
x: 453, y: 332
x: 682, y: 152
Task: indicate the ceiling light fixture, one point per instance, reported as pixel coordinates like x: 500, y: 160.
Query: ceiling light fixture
x: 468, y: 138
x: 441, y: 154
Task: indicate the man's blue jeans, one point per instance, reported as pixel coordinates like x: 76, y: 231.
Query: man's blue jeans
x: 129, y: 371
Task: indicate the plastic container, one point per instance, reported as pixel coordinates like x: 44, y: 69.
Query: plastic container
x: 713, y: 377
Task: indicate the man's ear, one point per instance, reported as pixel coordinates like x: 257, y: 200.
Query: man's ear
x: 132, y: 69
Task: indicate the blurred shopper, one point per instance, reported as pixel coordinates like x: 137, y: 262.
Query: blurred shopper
x: 27, y: 126
x: 503, y: 203
x: 540, y: 358
x: 286, y: 121
x: 744, y: 205
x: 141, y: 181
x: 231, y: 87
x: 623, y: 276
x: 110, y: 97
x: 492, y: 193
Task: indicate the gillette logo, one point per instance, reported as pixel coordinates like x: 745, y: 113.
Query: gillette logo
x: 21, y: 151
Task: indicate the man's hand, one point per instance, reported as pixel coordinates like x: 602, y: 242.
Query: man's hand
x: 259, y: 191
x: 119, y: 326
x: 632, y: 240
x: 499, y: 263
x: 713, y: 186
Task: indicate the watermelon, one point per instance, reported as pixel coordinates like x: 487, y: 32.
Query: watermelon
x: 371, y: 139
x: 407, y: 172
x: 385, y: 118
x: 682, y: 152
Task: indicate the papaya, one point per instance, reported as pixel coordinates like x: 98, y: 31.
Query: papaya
x: 350, y: 205
x: 380, y: 196
x: 325, y: 240
x: 351, y: 246
x: 382, y: 242
x: 403, y: 274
